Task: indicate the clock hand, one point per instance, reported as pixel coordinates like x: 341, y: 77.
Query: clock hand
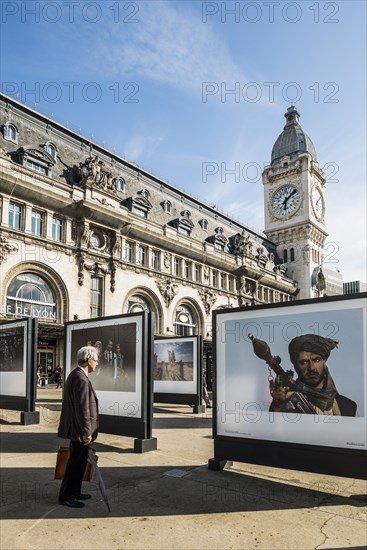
x: 293, y: 192
x: 287, y: 198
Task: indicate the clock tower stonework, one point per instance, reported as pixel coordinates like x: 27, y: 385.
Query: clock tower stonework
x: 294, y: 193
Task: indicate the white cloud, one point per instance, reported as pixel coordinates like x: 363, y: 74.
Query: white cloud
x: 168, y: 45
x: 141, y: 145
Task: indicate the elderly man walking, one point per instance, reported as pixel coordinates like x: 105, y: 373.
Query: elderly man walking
x: 79, y: 423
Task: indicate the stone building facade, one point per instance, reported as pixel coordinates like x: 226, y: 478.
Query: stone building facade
x: 84, y: 233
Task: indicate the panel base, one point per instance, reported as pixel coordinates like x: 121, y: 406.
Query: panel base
x: 215, y: 464
x: 27, y: 418
x: 292, y: 456
x: 198, y: 409
x: 145, y: 445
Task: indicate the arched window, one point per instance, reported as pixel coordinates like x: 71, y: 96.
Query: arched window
x: 11, y: 132
x: 30, y: 296
x: 292, y: 254
x: 137, y: 303
x: 120, y: 184
x: 51, y: 150
x: 204, y: 224
x: 285, y: 255
x: 184, y: 321
x: 167, y: 207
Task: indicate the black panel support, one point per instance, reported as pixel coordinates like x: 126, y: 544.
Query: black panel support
x: 145, y: 445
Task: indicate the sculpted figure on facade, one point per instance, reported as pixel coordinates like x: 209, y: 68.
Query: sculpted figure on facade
x: 306, y: 253
x: 93, y: 172
x: 247, y: 291
x: 168, y: 289
x: 262, y: 258
x: 112, y: 270
x: 208, y: 297
x: 247, y: 286
x: 114, y: 243
x: 242, y: 245
x: 320, y: 282
x: 166, y: 260
x: 84, y: 234
x: 280, y: 269
x: 6, y: 248
x: 110, y: 182
x: 81, y: 262
x: 96, y: 268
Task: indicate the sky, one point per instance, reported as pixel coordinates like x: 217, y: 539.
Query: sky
x: 195, y: 93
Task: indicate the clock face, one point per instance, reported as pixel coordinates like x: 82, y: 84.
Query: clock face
x: 317, y: 202
x: 286, y: 201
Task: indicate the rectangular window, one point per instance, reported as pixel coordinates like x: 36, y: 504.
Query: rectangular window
x: 37, y: 223
x: 57, y: 227
x: 230, y: 284
x: 155, y: 259
x: 128, y: 252
x: 223, y: 280
x: 198, y: 273
x: 266, y: 295
x: 139, y: 211
x: 177, y: 266
x: 183, y: 330
x: 15, y: 216
x: 215, y: 278
x: 184, y: 231
x: 96, y: 296
x: 36, y: 167
x: 142, y: 255
x: 187, y: 270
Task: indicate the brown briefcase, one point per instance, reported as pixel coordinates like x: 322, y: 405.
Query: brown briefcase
x: 62, y: 458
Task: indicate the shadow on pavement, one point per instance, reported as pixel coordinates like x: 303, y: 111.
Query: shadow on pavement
x: 179, y: 422
x: 28, y: 443
x: 31, y: 493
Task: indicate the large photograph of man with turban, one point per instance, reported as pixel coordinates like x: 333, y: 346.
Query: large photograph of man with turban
x: 294, y: 374
x: 314, y: 390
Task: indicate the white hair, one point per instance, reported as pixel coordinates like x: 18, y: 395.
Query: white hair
x: 85, y: 353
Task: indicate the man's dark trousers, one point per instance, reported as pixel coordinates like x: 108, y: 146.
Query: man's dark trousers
x: 72, y: 483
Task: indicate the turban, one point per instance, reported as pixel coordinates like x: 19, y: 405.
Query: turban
x: 312, y: 343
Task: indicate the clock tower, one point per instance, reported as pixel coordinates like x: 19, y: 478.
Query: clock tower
x: 294, y: 192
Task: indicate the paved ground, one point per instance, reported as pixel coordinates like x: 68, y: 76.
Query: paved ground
x: 168, y: 498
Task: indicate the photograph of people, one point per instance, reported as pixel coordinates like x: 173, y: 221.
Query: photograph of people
x: 173, y: 361
x: 116, y: 351
x: 314, y: 391
x: 11, y: 349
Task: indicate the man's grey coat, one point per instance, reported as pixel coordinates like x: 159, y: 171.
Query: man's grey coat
x: 79, y: 415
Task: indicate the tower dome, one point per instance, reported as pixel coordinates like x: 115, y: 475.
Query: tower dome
x: 293, y: 139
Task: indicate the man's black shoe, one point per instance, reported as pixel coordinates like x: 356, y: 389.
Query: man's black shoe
x: 72, y: 503
x: 83, y: 496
